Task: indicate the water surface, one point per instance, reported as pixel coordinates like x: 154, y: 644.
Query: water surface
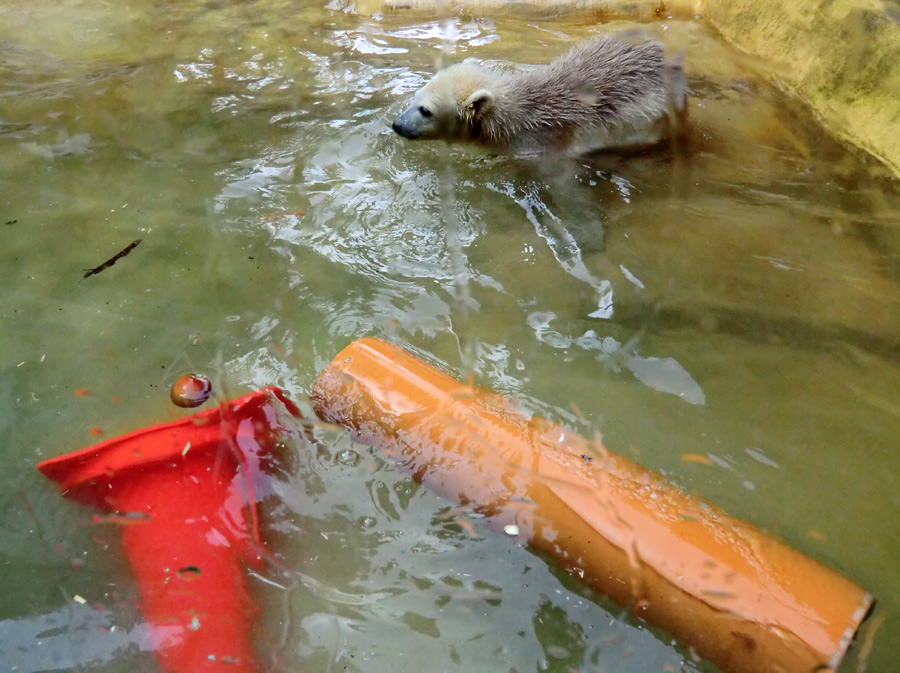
x: 738, y: 301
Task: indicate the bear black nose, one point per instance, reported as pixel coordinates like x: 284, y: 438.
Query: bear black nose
x: 406, y: 130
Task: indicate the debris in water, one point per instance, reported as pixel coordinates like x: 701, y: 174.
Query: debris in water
x: 122, y: 518
x: 189, y: 573
x: 696, y: 458
x: 466, y: 526
x: 112, y: 260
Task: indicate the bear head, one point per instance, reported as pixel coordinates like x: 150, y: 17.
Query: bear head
x: 451, y: 106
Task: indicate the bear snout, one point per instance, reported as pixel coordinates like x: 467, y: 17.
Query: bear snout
x: 406, y: 127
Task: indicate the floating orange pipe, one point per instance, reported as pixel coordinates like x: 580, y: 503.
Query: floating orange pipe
x: 738, y: 597
x: 183, y: 491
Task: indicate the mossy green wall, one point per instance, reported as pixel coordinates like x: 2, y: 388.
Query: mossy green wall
x: 842, y: 57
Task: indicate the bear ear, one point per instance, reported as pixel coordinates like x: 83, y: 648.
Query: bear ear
x: 478, y: 103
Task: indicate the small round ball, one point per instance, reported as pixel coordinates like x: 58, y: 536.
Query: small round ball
x: 191, y: 390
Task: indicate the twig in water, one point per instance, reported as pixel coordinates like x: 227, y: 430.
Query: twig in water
x: 112, y: 260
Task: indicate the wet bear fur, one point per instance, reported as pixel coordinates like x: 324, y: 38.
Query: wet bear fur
x: 607, y: 93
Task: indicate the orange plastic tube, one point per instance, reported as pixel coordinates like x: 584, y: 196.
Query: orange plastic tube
x: 738, y: 597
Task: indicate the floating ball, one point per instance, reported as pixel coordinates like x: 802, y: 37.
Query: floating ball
x: 191, y: 390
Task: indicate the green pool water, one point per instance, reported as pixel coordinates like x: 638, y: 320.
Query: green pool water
x: 738, y: 301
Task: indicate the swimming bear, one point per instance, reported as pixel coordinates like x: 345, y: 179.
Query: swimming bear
x: 607, y: 93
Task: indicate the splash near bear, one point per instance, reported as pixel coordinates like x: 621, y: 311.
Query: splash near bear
x: 608, y: 93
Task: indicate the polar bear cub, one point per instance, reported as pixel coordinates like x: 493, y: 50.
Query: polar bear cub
x: 607, y: 93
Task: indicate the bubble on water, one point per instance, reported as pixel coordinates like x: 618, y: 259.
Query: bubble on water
x: 368, y: 522
x: 348, y: 457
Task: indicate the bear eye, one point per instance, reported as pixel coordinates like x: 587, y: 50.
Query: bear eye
x: 424, y: 111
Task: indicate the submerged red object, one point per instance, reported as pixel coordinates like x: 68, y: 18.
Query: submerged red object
x: 185, y: 490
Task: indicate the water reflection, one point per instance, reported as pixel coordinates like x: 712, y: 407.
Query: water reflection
x: 665, y: 375
x: 563, y: 245
x: 72, y: 637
